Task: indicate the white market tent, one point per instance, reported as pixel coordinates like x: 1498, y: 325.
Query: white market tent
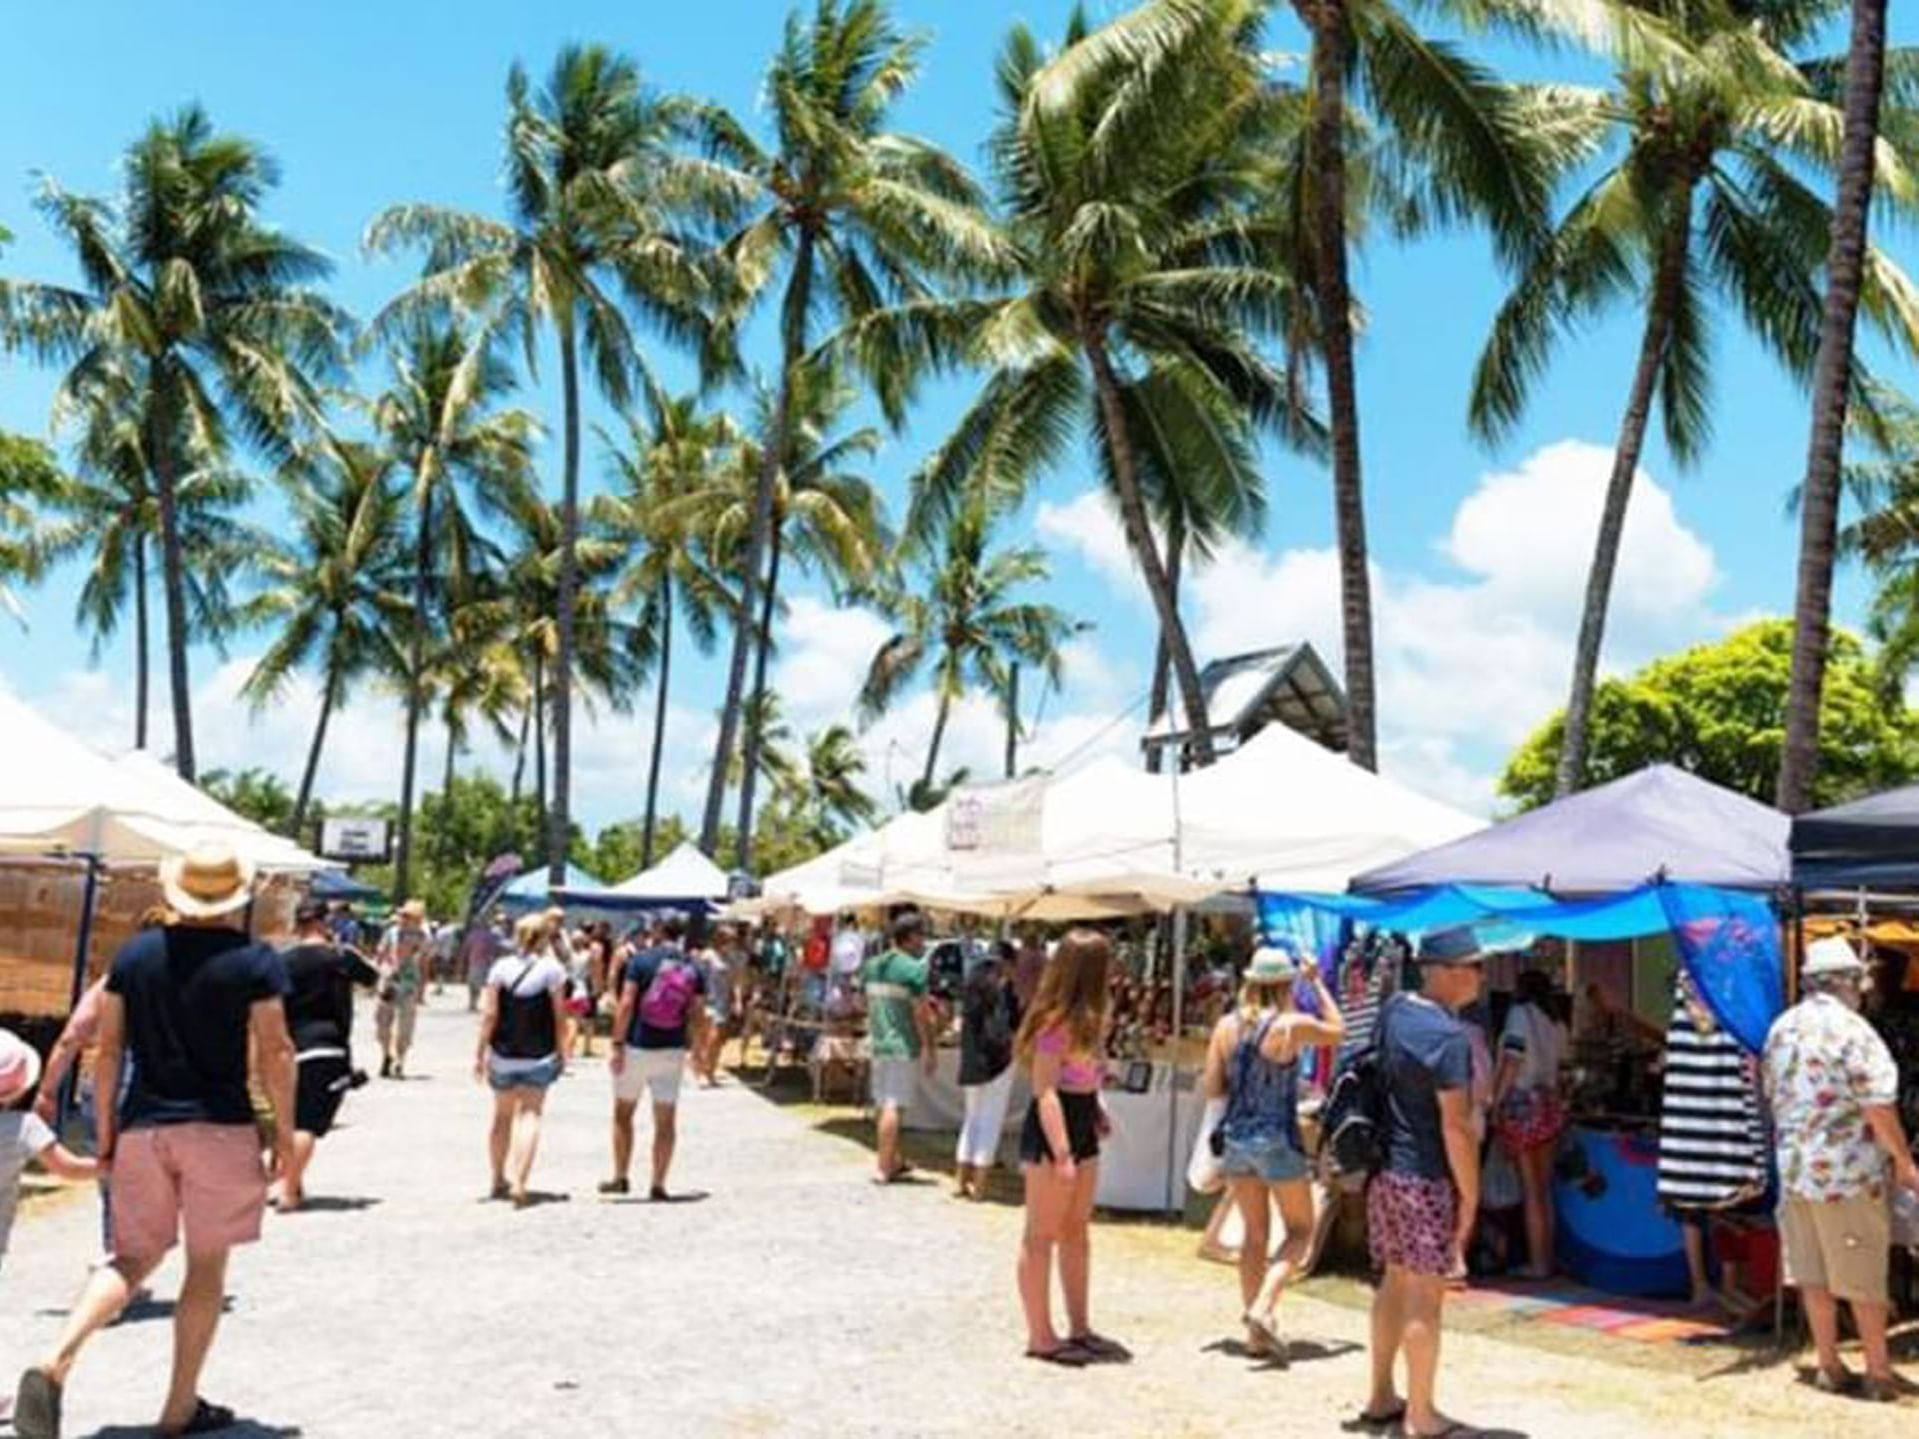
x: 62, y: 797
x: 684, y: 877
x: 1281, y: 812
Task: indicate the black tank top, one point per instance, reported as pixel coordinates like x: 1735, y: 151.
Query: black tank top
x: 525, y: 1029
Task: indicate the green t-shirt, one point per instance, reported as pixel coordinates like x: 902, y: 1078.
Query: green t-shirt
x: 901, y: 980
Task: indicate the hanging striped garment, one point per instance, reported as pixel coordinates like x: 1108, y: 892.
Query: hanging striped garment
x: 1712, y: 1138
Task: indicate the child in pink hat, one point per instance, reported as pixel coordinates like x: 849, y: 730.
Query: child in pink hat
x: 24, y: 1136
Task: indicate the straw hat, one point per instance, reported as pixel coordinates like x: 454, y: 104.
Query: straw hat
x: 1832, y: 955
x: 1272, y: 964
x: 414, y: 910
x: 19, y: 1066
x: 206, y: 882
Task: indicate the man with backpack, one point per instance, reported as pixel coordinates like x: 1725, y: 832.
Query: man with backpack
x: 1422, y: 1202
x: 661, y: 1019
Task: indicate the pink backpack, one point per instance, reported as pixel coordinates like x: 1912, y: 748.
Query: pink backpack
x: 670, y: 995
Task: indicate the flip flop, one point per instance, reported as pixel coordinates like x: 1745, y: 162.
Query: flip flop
x: 1367, y: 1422
x: 1101, y: 1349
x: 36, y: 1407
x: 1066, y: 1356
x: 1265, y: 1328
x: 206, y: 1419
x: 1453, y: 1430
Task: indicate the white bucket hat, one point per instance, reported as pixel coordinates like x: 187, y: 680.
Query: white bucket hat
x: 1832, y: 955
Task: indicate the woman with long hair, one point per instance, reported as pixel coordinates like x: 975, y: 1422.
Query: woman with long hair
x: 1061, y: 1042
x: 522, y: 1051
x: 987, y: 1020
x: 1253, y: 1064
x: 1528, y: 1111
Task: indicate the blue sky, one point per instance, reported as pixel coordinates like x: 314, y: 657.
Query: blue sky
x: 365, y: 105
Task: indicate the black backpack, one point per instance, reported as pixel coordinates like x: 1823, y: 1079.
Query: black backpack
x: 1352, y: 1123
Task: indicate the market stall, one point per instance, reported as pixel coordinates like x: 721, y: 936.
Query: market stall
x: 1616, y: 889
x: 685, y: 879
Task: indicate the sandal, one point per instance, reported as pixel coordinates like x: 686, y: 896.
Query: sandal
x: 1844, y: 1382
x: 1367, y: 1422
x: 207, y: 1419
x: 1066, y: 1356
x: 1101, y: 1349
x: 36, y: 1406
x: 1265, y: 1328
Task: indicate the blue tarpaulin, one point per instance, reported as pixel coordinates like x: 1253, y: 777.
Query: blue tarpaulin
x: 1728, y: 941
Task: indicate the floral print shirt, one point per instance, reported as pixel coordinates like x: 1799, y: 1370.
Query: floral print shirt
x: 1824, y: 1064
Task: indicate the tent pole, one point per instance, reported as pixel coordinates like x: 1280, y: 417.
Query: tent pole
x: 1174, y: 1175
x: 81, y: 945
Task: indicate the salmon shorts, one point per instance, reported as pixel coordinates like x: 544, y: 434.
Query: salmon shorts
x: 205, y: 1180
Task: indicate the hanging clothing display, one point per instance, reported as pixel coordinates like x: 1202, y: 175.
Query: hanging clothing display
x: 1712, y: 1136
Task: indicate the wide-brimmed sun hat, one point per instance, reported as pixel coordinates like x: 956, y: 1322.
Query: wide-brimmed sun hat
x: 206, y: 882
x: 19, y: 1066
x: 1273, y: 964
x: 1832, y: 955
x: 1457, y: 944
x: 415, y: 910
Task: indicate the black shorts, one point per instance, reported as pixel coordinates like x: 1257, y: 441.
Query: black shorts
x: 317, y: 1096
x: 1082, y: 1130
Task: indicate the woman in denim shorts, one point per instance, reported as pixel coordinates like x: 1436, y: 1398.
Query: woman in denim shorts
x: 522, y: 1050
x: 1253, y: 1064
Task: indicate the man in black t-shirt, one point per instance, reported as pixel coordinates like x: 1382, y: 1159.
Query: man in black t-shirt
x: 188, y: 1001
x: 322, y: 977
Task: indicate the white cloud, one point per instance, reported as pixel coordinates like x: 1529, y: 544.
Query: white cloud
x: 1468, y: 664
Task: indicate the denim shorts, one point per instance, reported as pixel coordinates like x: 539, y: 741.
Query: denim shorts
x: 540, y: 1076
x: 1273, y: 1160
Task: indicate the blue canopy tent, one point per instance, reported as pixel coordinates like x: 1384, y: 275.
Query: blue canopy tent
x: 337, y: 884
x: 530, y: 891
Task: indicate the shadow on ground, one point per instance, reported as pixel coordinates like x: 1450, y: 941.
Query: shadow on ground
x: 240, y: 1429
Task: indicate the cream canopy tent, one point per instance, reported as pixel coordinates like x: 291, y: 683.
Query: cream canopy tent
x: 686, y: 876
x: 1280, y: 812
x: 62, y: 797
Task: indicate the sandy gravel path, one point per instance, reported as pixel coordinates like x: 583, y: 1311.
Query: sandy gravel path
x: 795, y: 1298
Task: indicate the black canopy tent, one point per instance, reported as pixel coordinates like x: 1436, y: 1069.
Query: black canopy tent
x: 1869, y: 844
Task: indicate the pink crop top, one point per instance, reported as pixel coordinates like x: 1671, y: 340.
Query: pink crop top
x: 1083, y: 1075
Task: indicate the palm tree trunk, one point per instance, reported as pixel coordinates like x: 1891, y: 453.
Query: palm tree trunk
x: 329, y: 696
x: 559, y: 826
x: 1162, y: 655
x: 519, y: 757
x: 415, y: 694
x: 756, y: 710
x: 664, y: 679
x: 1667, y: 279
x: 174, y: 585
x: 141, y: 659
x: 1819, y: 510
x: 539, y: 745
x: 1327, y: 21
x: 1012, y: 720
x: 443, y: 841
x: 1139, y: 531
x: 793, y: 346
x: 933, y: 749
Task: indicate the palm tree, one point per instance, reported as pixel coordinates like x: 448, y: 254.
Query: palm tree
x: 595, y: 190
x: 336, y: 591
x: 825, y: 517
x: 1846, y: 278
x: 208, y: 310
x: 29, y: 478
x: 863, y: 218
x: 1145, y: 285
x: 956, y: 612
x: 1702, y: 199
x: 681, y: 452
x: 109, y: 508
x: 462, y: 457
x: 834, y: 796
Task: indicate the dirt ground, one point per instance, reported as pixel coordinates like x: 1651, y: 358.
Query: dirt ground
x: 786, y: 1295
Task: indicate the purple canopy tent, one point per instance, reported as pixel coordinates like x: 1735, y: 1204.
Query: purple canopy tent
x: 1658, y: 824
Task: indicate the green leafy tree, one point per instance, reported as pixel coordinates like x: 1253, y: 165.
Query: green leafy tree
x: 619, y: 850
x: 1719, y: 711
x: 859, y: 218
x: 29, y: 478
x: 597, y: 195
x: 1702, y: 199
x: 254, y: 794
x: 210, y: 311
